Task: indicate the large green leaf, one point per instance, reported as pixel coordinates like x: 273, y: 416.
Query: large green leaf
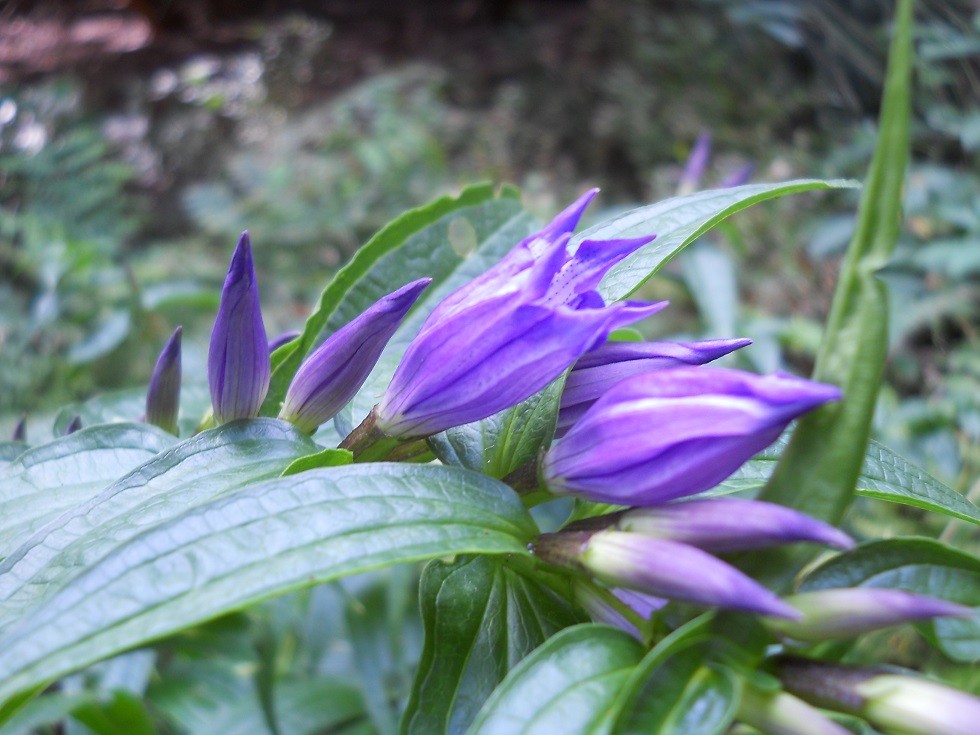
x: 918, y: 565
x: 481, y: 618
x: 678, y: 222
x: 567, y: 685
x: 203, y: 556
x: 884, y: 476
x: 449, y: 240
x: 45, y: 481
x: 498, y: 445
x: 819, y: 470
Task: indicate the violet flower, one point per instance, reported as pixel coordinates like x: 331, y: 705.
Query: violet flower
x: 163, y: 393
x: 601, y: 610
x: 660, y: 568
x: 671, y: 433
x: 891, y: 701
x: 779, y: 712
x: 334, y: 372
x: 20, y: 430
x: 848, y: 612
x: 238, y: 358
x: 74, y: 425
x: 697, y: 164
x: 730, y: 524
x: 602, y: 368
x: 508, y: 333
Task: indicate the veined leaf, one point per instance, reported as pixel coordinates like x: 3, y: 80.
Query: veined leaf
x: 679, y: 221
x: 566, y: 685
x: 47, y: 480
x: 481, y: 618
x: 212, y: 553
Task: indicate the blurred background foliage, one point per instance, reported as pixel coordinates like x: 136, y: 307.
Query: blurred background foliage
x: 125, y: 176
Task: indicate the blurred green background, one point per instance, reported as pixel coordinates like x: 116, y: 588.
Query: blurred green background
x: 137, y: 139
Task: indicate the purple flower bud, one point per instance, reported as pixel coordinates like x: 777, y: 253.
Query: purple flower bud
x: 163, y: 394
x: 730, y: 524
x: 330, y: 377
x: 20, y: 430
x: 286, y: 337
x: 598, y: 371
x: 508, y: 333
x: 697, y: 164
x: 74, y: 425
x: 848, y: 612
x: 661, y: 568
x: 906, y: 704
x: 238, y: 358
x: 666, y: 434
x: 739, y: 176
x: 779, y: 712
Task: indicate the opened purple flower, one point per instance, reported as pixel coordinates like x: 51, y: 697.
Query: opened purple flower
x: 508, y: 333
x: 667, y: 434
x: 238, y: 358
x: 330, y: 377
x: 602, y: 368
x: 163, y: 393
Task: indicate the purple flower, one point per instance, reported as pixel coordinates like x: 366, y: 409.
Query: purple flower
x: 598, y: 371
x: 163, y: 393
x: 660, y: 568
x: 601, y: 610
x: 730, y: 524
x: 20, y: 430
x: 851, y: 611
x: 74, y: 425
x: 238, y: 358
x: 779, y: 712
x: 697, y: 164
x: 906, y: 704
x: 330, y: 377
x: 663, y: 435
x: 508, y: 333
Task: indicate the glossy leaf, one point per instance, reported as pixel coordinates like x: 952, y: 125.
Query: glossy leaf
x: 328, y: 457
x: 818, y: 472
x: 124, y: 571
x: 678, y: 222
x: 481, y: 616
x: 884, y: 476
x: 918, y: 565
x: 47, y: 480
x: 500, y: 444
x: 450, y: 240
x: 567, y: 685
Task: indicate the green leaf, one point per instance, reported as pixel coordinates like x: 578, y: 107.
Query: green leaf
x: 123, y: 714
x: 678, y: 222
x: 46, y: 710
x: 47, y: 480
x: 567, y: 685
x: 421, y: 242
x: 819, y: 470
x: 207, y: 539
x: 481, y: 618
x: 680, y: 695
x: 498, y: 445
x: 918, y: 565
x: 325, y: 458
x: 884, y: 476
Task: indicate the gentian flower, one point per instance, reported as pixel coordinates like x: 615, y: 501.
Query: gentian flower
x: 20, y: 430
x: 697, y: 164
x: 660, y: 568
x: 893, y: 702
x: 663, y: 435
x: 602, y: 368
x: 602, y: 611
x: 729, y: 524
x: 508, y: 333
x: 330, y: 377
x: 238, y: 358
x: 848, y: 612
x: 285, y: 338
x: 163, y: 393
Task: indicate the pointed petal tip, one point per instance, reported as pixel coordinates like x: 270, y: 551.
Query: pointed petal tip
x: 567, y: 220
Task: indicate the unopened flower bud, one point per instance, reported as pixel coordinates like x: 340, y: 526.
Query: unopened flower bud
x: 163, y: 393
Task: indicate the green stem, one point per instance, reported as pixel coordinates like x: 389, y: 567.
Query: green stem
x: 368, y: 443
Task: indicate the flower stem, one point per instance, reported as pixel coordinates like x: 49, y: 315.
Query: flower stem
x: 368, y: 443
